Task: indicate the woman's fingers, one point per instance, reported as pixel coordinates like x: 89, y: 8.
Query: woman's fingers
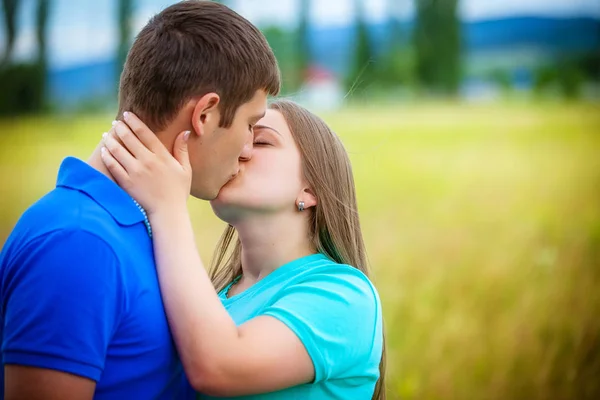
x: 180, y: 150
x: 130, y: 140
x: 119, y: 152
x: 157, y: 180
x: 115, y: 169
x: 144, y: 134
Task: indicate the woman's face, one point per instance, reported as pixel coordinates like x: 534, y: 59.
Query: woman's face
x: 271, y: 181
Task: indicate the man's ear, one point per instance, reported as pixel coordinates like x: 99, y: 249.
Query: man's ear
x: 307, y: 195
x: 206, y: 115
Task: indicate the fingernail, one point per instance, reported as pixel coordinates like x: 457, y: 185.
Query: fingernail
x: 126, y: 115
x: 104, y: 135
x: 114, y: 123
x: 103, y: 150
x: 186, y: 136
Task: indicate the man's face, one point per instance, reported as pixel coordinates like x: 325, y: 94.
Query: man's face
x: 215, y: 155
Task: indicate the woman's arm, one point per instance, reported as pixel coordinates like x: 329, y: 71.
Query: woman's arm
x: 219, y: 358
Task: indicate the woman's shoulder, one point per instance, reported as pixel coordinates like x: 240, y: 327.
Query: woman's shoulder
x: 324, y: 299
x: 338, y: 277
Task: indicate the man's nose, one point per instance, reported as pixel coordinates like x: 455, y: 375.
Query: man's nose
x: 246, y: 154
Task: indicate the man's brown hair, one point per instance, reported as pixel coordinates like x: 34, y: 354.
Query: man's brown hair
x: 192, y: 48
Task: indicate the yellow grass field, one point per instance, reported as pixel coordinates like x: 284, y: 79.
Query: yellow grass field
x: 482, y: 224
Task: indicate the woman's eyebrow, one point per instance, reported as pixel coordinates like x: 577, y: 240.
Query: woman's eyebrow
x: 267, y: 127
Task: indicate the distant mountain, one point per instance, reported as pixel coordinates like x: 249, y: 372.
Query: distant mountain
x: 554, y: 35
x: 332, y: 48
x: 70, y: 86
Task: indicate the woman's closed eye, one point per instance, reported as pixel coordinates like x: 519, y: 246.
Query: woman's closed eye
x: 265, y: 136
x: 261, y: 142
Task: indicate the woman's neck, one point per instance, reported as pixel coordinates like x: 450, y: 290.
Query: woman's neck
x: 269, y: 242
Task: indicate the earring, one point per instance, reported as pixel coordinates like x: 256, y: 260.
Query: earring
x: 300, y: 206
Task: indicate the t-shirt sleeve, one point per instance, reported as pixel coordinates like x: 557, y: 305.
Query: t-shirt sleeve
x: 336, y: 315
x: 62, y: 298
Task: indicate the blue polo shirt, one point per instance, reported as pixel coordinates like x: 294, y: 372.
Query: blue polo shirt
x: 79, y: 292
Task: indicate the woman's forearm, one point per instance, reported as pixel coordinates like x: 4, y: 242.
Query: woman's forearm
x: 203, y: 330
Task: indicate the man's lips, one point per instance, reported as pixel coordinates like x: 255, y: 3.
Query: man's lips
x: 233, y: 176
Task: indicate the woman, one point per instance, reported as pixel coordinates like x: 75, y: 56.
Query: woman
x: 295, y: 315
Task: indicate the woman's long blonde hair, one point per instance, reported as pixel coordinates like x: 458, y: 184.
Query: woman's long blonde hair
x: 334, y: 223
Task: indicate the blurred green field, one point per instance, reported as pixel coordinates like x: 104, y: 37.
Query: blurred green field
x: 483, y: 228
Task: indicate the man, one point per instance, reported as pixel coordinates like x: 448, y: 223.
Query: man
x: 81, y: 312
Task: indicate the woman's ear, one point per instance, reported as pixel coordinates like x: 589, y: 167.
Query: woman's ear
x: 307, y: 197
x: 206, y: 115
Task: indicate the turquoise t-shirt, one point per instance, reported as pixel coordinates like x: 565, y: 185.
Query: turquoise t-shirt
x: 334, y: 310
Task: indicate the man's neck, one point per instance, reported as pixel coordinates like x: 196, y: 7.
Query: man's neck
x: 95, y: 161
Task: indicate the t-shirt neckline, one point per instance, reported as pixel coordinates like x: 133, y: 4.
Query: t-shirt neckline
x: 285, y: 268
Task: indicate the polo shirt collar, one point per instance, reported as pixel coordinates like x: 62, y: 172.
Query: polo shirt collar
x: 78, y: 175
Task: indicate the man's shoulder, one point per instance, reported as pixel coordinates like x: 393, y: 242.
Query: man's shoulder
x: 64, y: 210
x: 62, y: 244
x: 62, y: 215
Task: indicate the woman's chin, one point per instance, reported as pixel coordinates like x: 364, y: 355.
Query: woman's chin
x: 221, y: 210
x: 224, y: 198
x: 231, y: 207
x: 226, y: 209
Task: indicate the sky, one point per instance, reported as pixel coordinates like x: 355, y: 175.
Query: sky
x: 85, y: 30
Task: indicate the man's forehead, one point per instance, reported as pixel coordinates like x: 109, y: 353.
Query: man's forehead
x: 257, y: 105
x: 257, y: 114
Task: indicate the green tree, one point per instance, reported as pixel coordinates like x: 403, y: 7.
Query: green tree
x: 24, y: 83
x: 283, y: 43
x: 362, y: 72
x: 396, y: 66
x: 41, y: 31
x: 393, y: 11
x: 437, y: 41
x: 303, y: 57
x: 124, y: 12
x: 10, y: 8
x: 41, y: 62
